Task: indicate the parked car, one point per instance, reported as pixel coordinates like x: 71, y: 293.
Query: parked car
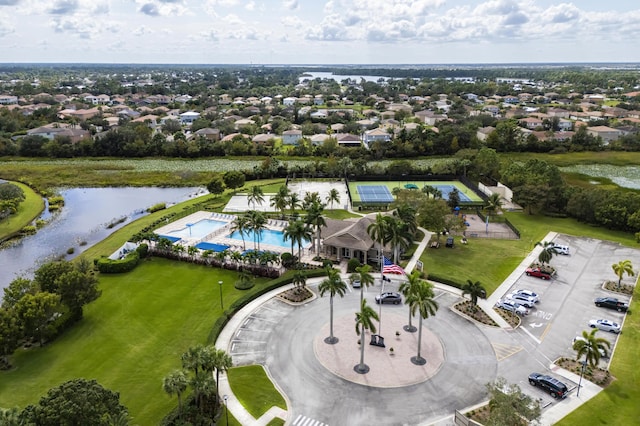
x: 521, y: 299
x: 530, y: 294
x: 603, y: 353
x: 555, y: 387
x: 539, y: 273
x: 605, y: 325
x: 389, y: 297
x: 514, y: 307
x: 560, y: 249
x: 356, y: 284
x: 611, y: 303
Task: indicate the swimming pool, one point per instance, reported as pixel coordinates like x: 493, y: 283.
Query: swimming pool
x: 199, y: 229
x: 267, y: 236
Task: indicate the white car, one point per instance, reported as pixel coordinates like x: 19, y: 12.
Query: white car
x: 521, y: 299
x: 530, y: 294
x: 603, y: 353
x: 514, y: 307
x: 560, y: 249
x: 605, y: 325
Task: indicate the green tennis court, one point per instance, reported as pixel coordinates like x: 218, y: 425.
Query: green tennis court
x: 360, y: 196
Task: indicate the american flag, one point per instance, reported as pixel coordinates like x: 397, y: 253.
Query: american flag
x: 389, y: 267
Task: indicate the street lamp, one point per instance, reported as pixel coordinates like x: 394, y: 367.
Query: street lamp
x: 226, y: 410
x: 221, y: 302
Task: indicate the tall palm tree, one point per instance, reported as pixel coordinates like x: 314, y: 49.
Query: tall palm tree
x: 422, y: 300
x: 366, y: 279
x: 311, y: 198
x: 407, y: 214
x: 257, y: 223
x: 299, y: 280
x: 333, y: 285
x: 333, y: 196
x: 548, y: 251
x: 222, y: 362
x: 241, y: 224
x: 255, y: 195
x: 398, y: 235
x: 621, y: 268
x: 294, y: 201
x: 298, y: 232
x: 315, y: 219
x: 280, y: 199
x: 493, y: 203
x: 591, y: 347
x: 378, y: 233
x: 406, y: 288
x: 192, y: 359
x: 176, y: 383
x: 364, y: 321
x: 474, y: 290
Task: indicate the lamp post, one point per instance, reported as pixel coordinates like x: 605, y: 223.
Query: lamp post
x: 584, y: 364
x: 221, y: 301
x: 226, y: 410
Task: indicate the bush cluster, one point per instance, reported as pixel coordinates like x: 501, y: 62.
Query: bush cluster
x: 126, y: 264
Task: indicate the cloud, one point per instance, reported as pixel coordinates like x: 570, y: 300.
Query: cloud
x: 293, y: 22
x: 82, y: 28
x: 64, y: 7
x: 251, y: 6
x: 162, y: 7
x: 211, y: 6
x: 150, y: 9
x: 211, y: 35
x: 142, y: 31
x: 5, y: 27
x: 290, y: 4
x: 9, y: 2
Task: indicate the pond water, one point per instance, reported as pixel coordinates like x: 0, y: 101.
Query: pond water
x: 84, y: 218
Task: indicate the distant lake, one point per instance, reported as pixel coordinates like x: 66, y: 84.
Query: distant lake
x: 84, y: 218
x: 339, y: 78
x: 624, y: 176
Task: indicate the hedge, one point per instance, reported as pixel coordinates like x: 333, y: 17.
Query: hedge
x: 445, y: 280
x: 110, y: 266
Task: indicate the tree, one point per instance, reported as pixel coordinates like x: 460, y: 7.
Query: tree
x: 548, y: 251
x: 398, y: 235
x: 432, y: 215
x: 10, y: 335
x: 241, y: 224
x: 298, y: 232
x: 216, y: 186
x: 407, y: 288
x: 333, y: 196
x: 377, y: 230
x: 315, y: 219
x: 333, y: 285
x: 493, y: 203
x: 299, y: 280
x: 475, y: 290
x: 366, y: 279
x: 509, y: 405
x: 255, y: 196
x: 257, y: 223
x: 621, y: 268
x: 364, y: 321
x: 76, y: 289
x: 454, y: 198
x: 280, y: 199
x: 591, y: 347
x: 35, y: 311
x: 176, y: 383
x: 47, y: 274
x: 407, y: 214
x: 294, y: 201
x: 76, y: 402
x: 222, y: 362
x: 422, y: 300
x: 234, y: 180
x: 16, y: 290
x: 192, y: 359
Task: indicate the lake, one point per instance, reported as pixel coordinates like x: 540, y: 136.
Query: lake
x: 84, y: 218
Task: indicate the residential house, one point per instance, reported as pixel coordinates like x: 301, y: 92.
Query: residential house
x: 53, y: 131
x: 349, y: 239
x: 243, y: 122
x: 565, y: 125
x: 98, y: 100
x: 8, y: 100
x: 318, y: 100
x: 429, y: 117
x: 289, y: 101
x: 262, y: 138
x: 187, y: 118
x: 530, y: 122
x: 375, y: 135
x: 348, y: 140
x: 558, y: 112
x: 608, y: 134
x: 291, y: 137
x: 484, y: 132
x: 208, y: 133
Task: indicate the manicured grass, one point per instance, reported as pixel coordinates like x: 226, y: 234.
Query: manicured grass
x: 276, y: 421
x: 130, y: 338
x: 339, y: 214
x: 28, y: 210
x: 254, y: 390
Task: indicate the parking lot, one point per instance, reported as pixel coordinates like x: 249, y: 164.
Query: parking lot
x: 566, y: 306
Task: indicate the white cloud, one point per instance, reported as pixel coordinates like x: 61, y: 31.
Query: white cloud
x: 251, y: 6
x: 293, y: 22
x: 142, y: 30
x: 82, y: 28
x: 162, y: 7
x: 5, y: 27
x: 64, y: 7
x: 290, y: 4
x: 211, y: 6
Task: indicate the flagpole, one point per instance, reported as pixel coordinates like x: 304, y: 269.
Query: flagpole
x: 381, y: 288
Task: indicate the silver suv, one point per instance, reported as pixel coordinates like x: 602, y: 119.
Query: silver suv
x: 510, y: 306
x: 521, y: 299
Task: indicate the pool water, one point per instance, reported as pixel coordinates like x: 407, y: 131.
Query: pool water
x: 200, y: 229
x: 267, y: 236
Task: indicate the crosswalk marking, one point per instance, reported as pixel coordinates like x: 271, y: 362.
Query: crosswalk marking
x: 306, y: 421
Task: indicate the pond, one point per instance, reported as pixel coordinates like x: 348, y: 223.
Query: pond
x: 84, y: 219
x: 624, y: 176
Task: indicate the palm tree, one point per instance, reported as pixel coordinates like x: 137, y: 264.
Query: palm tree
x: 407, y: 214
x: 364, y: 321
x: 422, y: 300
x: 255, y: 195
x: 192, y: 359
x: 398, y: 235
x: 591, y: 347
x: 366, y: 279
x: 280, y: 200
x: 333, y: 196
x: 315, y: 219
x: 621, y: 268
x: 192, y: 251
x: 294, y: 201
x: 241, y: 224
x: 494, y: 203
x: 548, y: 251
x: 406, y: 288
x: 176, y: 383
x: 474, y: 290
x: 311, y: 198
x: 257, y: 222
x: 299, y: 280
x: 297, y: 232
x: 378, y: 232
x: 334, y: 285
x: 222, y: 362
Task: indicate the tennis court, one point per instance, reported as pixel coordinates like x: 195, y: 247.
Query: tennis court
x: 361, y: 192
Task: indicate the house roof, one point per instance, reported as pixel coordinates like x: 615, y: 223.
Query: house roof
x: 340, y: 233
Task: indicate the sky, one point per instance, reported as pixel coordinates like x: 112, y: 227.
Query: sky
x: 271, y: 32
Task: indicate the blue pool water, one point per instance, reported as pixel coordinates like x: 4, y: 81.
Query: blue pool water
x: 199, y: 229
x: 267, y: 236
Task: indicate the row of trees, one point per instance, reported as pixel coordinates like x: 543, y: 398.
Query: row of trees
x: 10, y: 198
x: 37, y: 310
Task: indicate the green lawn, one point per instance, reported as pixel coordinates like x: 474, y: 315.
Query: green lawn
x: 340, y: 214
x: 254, y: 390
x: 29, y: 210
x: 130, y: 338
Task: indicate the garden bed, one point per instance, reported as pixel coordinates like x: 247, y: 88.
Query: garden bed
x: 599, y: 376
x: 297, y: 295
x: 475, y: 313
x: 622, y: 288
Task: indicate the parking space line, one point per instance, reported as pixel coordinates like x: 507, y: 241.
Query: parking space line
x: 531, y: 335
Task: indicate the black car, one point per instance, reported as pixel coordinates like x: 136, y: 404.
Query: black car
x: 555, y: 387
x: 389, y: 297
x: 611, y: 303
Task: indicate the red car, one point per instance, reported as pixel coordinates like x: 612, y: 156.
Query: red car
x: 539, y: 273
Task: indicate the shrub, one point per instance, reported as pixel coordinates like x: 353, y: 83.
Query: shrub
x: 28, y: 230
x: 110, y: 266
x: 352, y: 265
x: 157, y: 207
x: 288, y: 260
x: 71, y: 250
x: 143, y: 250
